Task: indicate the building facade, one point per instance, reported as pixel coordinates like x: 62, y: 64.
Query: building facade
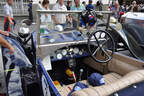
x: 20, y: 7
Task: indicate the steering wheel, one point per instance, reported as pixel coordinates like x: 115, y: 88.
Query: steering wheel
x: 101, y: 46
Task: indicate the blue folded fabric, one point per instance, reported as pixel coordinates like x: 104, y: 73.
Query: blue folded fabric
x: 78, y: 86
x: 15, y: 61
x: 96, y: 79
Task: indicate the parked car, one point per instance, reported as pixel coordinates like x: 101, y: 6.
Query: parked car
x: 130, y: 33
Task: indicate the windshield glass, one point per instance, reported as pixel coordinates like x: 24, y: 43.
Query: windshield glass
x: 135, y: 28
x: 51, y: 36
x: 135, y: 21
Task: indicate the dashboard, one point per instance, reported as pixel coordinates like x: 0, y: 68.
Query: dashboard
x: 65, y: 53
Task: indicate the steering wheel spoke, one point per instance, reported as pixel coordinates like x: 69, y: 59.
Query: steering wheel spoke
x: 101, y: 41
x: 97, y: 49
x: 106, y: 53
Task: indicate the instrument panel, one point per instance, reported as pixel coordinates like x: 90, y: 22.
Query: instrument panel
x: 69, y: 52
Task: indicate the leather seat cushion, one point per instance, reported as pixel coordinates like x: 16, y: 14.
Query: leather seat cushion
x: 109, y: 78
x: 127, y: 80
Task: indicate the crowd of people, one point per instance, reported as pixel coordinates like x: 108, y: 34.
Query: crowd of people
x: 62, y: 19
x: 119, y: 10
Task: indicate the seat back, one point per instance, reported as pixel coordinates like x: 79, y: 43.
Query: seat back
x: 122, y: 64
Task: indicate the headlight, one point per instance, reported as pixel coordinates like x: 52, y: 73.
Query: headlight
x: 118, y: 26
x: 113, y: 20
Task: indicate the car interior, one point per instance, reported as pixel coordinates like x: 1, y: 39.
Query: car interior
x: 119, y: 73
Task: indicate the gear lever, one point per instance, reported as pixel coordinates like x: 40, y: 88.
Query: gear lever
x: 81, y: 72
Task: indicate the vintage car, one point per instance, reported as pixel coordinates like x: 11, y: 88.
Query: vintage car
x: 85, y: 55
x: 63, y: 58
x: 130, y: 33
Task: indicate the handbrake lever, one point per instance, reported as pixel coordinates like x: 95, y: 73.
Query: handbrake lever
x: 81, y: 72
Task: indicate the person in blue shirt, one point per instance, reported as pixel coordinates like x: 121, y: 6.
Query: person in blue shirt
x: 90, y: 6
x: 30, y: 11
x: 76, y: 7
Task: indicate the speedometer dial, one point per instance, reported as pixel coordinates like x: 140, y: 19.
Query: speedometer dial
x: 59, y: 56
x: 64, y: 52
x: 76, y: 50
x: 103, y: 35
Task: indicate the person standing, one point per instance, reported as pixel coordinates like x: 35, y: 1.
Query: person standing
x: 69, y: 4
x: 84, y: 3
x: 45, y: 17
x: 8, y: 16
x: 90, y: 6
x: 77, y: 7
x: 40, y: 5
x: 134, y: 7
x: 69, y: 19
x: 115, y: 9
x: 126, y: 8
x: 30, y: 11
x: 100, y: 5
x: 60, y: 19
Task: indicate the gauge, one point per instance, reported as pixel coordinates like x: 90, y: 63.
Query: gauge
x: 64, y: 52
x: 97, y: 34
x: 103, y: 35
x: 80, y: 52
x: 76, y: 50
x: 59, y: 56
